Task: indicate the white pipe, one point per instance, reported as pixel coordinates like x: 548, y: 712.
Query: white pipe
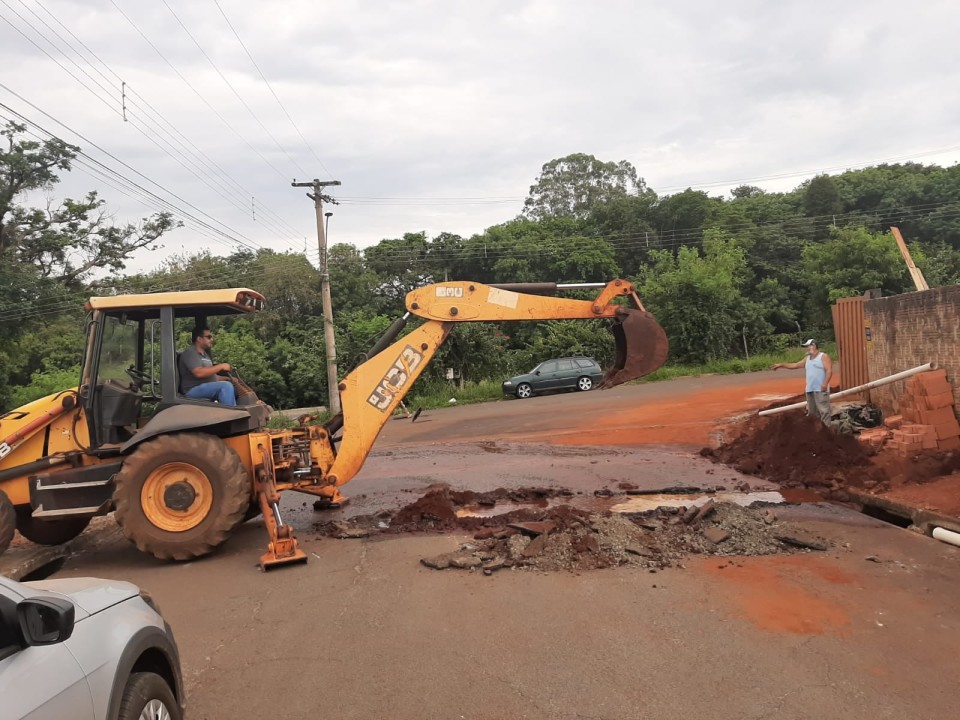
x: 854, y: 390
x: 947, y: 536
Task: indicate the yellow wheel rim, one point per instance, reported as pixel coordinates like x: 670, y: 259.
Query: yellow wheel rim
x: 176, y: 497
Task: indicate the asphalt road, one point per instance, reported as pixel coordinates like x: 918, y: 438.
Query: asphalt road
x: 364, y: 631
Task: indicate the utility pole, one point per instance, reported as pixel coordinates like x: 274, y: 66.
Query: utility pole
x: 329, y: 339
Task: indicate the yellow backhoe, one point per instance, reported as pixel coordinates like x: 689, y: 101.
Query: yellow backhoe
x: 182, y: 473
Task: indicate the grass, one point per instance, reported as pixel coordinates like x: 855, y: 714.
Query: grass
x: 438, y: 393
x: 732, y: 366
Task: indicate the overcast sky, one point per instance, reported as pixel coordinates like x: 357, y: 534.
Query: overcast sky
x: 437, y: 116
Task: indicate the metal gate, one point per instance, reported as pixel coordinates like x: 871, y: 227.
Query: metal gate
x: 848, y: 326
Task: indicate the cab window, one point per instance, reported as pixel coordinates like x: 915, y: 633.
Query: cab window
x: 118, y: 351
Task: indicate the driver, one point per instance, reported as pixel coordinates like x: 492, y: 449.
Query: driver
x: 198, y: 373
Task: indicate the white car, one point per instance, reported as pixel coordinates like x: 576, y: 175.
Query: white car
x: 86, y: 649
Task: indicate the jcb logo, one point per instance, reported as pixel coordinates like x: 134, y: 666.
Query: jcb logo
x: 396, y: 379
x: 449, y: 292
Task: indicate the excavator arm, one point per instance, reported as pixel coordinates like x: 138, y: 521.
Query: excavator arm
x: 371, y: 392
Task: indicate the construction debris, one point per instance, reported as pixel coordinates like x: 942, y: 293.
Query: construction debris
x: 561, y: 537
x: 927, y: 420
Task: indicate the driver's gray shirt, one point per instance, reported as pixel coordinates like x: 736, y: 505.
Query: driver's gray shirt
x: 189, y: 360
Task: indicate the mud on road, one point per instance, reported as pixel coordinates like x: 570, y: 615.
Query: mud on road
x: 365, y: 630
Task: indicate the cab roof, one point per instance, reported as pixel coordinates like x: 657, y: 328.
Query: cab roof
x: 226, y: 301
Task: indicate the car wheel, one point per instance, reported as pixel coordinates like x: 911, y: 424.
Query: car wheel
x: 524, y: 390
x: 584, y: 383
x: 148, y: 697
x: 8, y: 521
x: 179, y: 497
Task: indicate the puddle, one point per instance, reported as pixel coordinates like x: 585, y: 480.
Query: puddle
x: 635, y: 504
x: 502, y: 508
x: 645, y: 503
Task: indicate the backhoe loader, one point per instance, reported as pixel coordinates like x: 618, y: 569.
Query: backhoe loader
x: 181, y: 473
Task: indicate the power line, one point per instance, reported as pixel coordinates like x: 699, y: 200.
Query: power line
x: 146, y: 114
x: 232, y: 88
x: 195, y: 91
x: 124, y: 164
x: 109, y: 106
x: 663, y: 239
x: 270, y: 87
x: 216, y: 277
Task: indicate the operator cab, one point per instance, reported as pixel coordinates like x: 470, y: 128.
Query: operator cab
x: 130, y: 369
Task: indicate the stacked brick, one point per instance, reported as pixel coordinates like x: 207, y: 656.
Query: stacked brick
x: 926, y: 421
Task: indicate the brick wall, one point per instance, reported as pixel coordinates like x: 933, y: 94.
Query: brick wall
x: 907, y: 330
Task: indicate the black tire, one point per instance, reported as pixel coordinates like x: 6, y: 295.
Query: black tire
x: 524, y: 391
x: 145, y: 688
x: 8, y: 522
x: 584, y: 383
x: 252, y: 511
x: 49, y: 532
x: 206, y: 459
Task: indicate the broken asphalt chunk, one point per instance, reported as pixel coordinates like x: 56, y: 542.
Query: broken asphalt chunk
x: 800, y: 538
x: 536, y: 547
x: 440, y: 562
x: 716, y: 535
x: 535, y: 528
x: 465, y: 562
x: 708, y: 507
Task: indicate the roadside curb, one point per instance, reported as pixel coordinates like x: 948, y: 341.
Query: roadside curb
x: 923, y: 520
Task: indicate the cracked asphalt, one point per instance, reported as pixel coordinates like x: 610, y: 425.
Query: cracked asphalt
x: 364, y: 631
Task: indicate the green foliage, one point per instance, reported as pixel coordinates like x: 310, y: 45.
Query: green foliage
x: 43, y: 383
x: 733, y: 280
x: 248, y: 354
x: 437, y: 393
x: 853, y: 261
x: 698, y: 299
x: 571, y: 186
x: 559, y: 338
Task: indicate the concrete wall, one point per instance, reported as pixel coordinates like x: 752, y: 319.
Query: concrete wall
x: 907, y: 330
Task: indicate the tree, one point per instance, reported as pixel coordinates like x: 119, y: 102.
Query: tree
x: 60, y: 244
x: 822, y: 197
x: 628, y: 225
x: 698, y: 299
x: 852, y: 261
x: 571, y: 186
x: 746, y: 191
x: 48, y: 254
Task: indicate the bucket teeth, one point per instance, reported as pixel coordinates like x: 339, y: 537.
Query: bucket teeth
x: 641, y: 347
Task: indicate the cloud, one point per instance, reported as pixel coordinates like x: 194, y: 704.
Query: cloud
x: 435, y: 100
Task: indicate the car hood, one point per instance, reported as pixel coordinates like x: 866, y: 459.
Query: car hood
x: 89, y: 594
x: 527, y: 377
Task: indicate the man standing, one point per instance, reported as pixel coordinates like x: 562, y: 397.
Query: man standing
x: 819, y: 371
x: 198, y: 374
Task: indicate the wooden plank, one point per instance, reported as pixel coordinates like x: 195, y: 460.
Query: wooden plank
x: 918, y: 280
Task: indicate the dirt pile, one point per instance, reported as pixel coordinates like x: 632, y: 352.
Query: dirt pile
x: 798, y: 451
x: 561, y: 537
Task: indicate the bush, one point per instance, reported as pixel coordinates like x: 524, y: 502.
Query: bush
x: 43, y: 383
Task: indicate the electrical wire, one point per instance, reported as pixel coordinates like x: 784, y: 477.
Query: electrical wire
x: 270, y: 87
x: 195, y: 91
x: 233, y: 89
x: 290, y: 233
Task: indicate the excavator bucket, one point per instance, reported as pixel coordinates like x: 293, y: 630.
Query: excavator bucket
x: 641, y: 347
